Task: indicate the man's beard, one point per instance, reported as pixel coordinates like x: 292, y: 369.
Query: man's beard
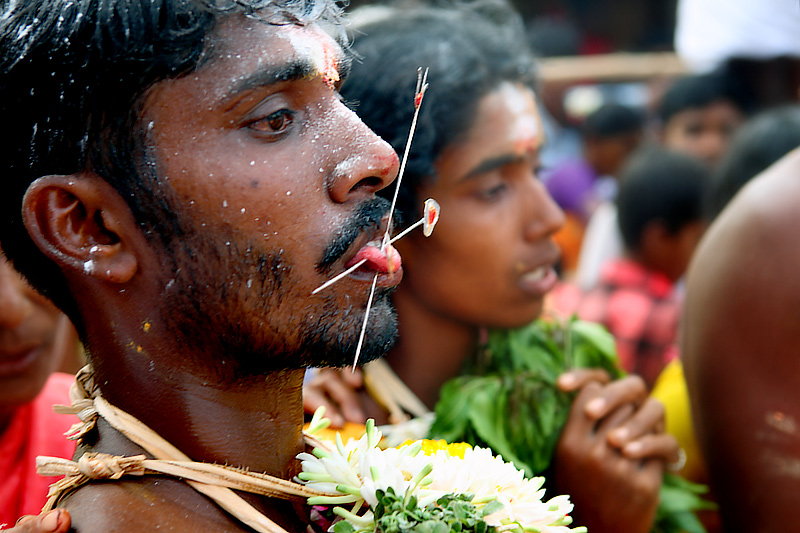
x: 237, y: 308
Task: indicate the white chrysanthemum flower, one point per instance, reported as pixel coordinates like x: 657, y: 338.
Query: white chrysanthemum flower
x: 489, y: 477
x: 402, y: 469
x: 353, y: 473
x: 336, y: 470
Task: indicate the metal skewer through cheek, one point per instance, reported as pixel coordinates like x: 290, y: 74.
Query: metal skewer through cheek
x: 419, y: 93
x: 355, y: 267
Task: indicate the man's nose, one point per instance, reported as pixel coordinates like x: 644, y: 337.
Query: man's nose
x: 545, y: 216
x: 14, y: 305
x: 370, y: 163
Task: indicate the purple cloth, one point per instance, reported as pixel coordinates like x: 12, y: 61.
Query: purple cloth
x: 572, y: 186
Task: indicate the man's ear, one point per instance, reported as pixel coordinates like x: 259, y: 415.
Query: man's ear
x: 80, y: 222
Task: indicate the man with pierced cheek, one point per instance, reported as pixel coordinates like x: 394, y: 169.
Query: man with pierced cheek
x: 185, y: 175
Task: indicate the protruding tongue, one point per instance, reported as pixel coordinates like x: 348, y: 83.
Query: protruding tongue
x: 378, y: 260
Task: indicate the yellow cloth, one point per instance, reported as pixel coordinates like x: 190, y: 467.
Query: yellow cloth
x: 670, y: 389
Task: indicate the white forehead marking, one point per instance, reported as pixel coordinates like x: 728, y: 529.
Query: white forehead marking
x: 321, y: 51
x: 525, y: 125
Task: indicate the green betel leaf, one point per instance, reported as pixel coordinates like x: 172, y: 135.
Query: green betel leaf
x: 455, y: 407
x: 343, y: 527
x: 593, y: 347
x: 679, y: 495
x: 531, y: 435
x: 508, y: 401
x: 486, y: 416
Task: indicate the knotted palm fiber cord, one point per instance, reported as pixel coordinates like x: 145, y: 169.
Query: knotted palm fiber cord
x: 212, y: 480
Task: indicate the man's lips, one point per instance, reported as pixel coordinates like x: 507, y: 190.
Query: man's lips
x: 539, y: 277
x: 537, y: 274
x: 367, y: 223
x: 16, y: 359
x: 388, y: 261
x: 369, y: 260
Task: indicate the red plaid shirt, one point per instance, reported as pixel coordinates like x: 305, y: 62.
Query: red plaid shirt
x: 639, y: 307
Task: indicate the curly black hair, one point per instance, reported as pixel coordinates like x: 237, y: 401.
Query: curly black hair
x: 470, y: 49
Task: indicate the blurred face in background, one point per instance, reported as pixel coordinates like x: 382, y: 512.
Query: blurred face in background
x: 703, y: 132
x: 34, y: 340
x: 490, y: 260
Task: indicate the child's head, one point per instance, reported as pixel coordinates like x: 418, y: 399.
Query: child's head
x: 757, y: 145
x: 660, y: 208
x: 698, y: 115
x: 610, y: 134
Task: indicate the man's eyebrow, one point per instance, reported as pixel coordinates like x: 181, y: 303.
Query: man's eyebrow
x: 492, y: 164
x: 294, y: 70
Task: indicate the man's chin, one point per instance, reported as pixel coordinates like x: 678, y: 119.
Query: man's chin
x: 348, y: 359
x: 377, y: 342
x: 337, y: 346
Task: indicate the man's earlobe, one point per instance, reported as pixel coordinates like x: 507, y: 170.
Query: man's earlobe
x: 81, y: 223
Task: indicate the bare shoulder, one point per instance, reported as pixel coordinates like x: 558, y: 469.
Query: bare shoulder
x: 145, y: 505
x: 739, y: 347
x: 743, y: 288
x: 764, y: 212
x: 749, y: 260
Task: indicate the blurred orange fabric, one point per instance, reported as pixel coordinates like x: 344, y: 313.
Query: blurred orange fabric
x: 569, y: 239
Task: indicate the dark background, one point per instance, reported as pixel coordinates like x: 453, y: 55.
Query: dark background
x: 576, y: 27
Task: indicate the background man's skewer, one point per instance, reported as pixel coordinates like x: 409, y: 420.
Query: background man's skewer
x: 418, y: 95
x: 364, y: 325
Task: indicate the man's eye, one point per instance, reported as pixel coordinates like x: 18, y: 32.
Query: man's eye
x: 276, y: 122
x: 494, y: 192
x: 694, y: 129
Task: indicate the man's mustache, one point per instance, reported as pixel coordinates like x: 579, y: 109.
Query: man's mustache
x: 367, y: 215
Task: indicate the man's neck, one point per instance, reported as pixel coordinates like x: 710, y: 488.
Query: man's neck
x: 431, y: 342
x: 253, y: 422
